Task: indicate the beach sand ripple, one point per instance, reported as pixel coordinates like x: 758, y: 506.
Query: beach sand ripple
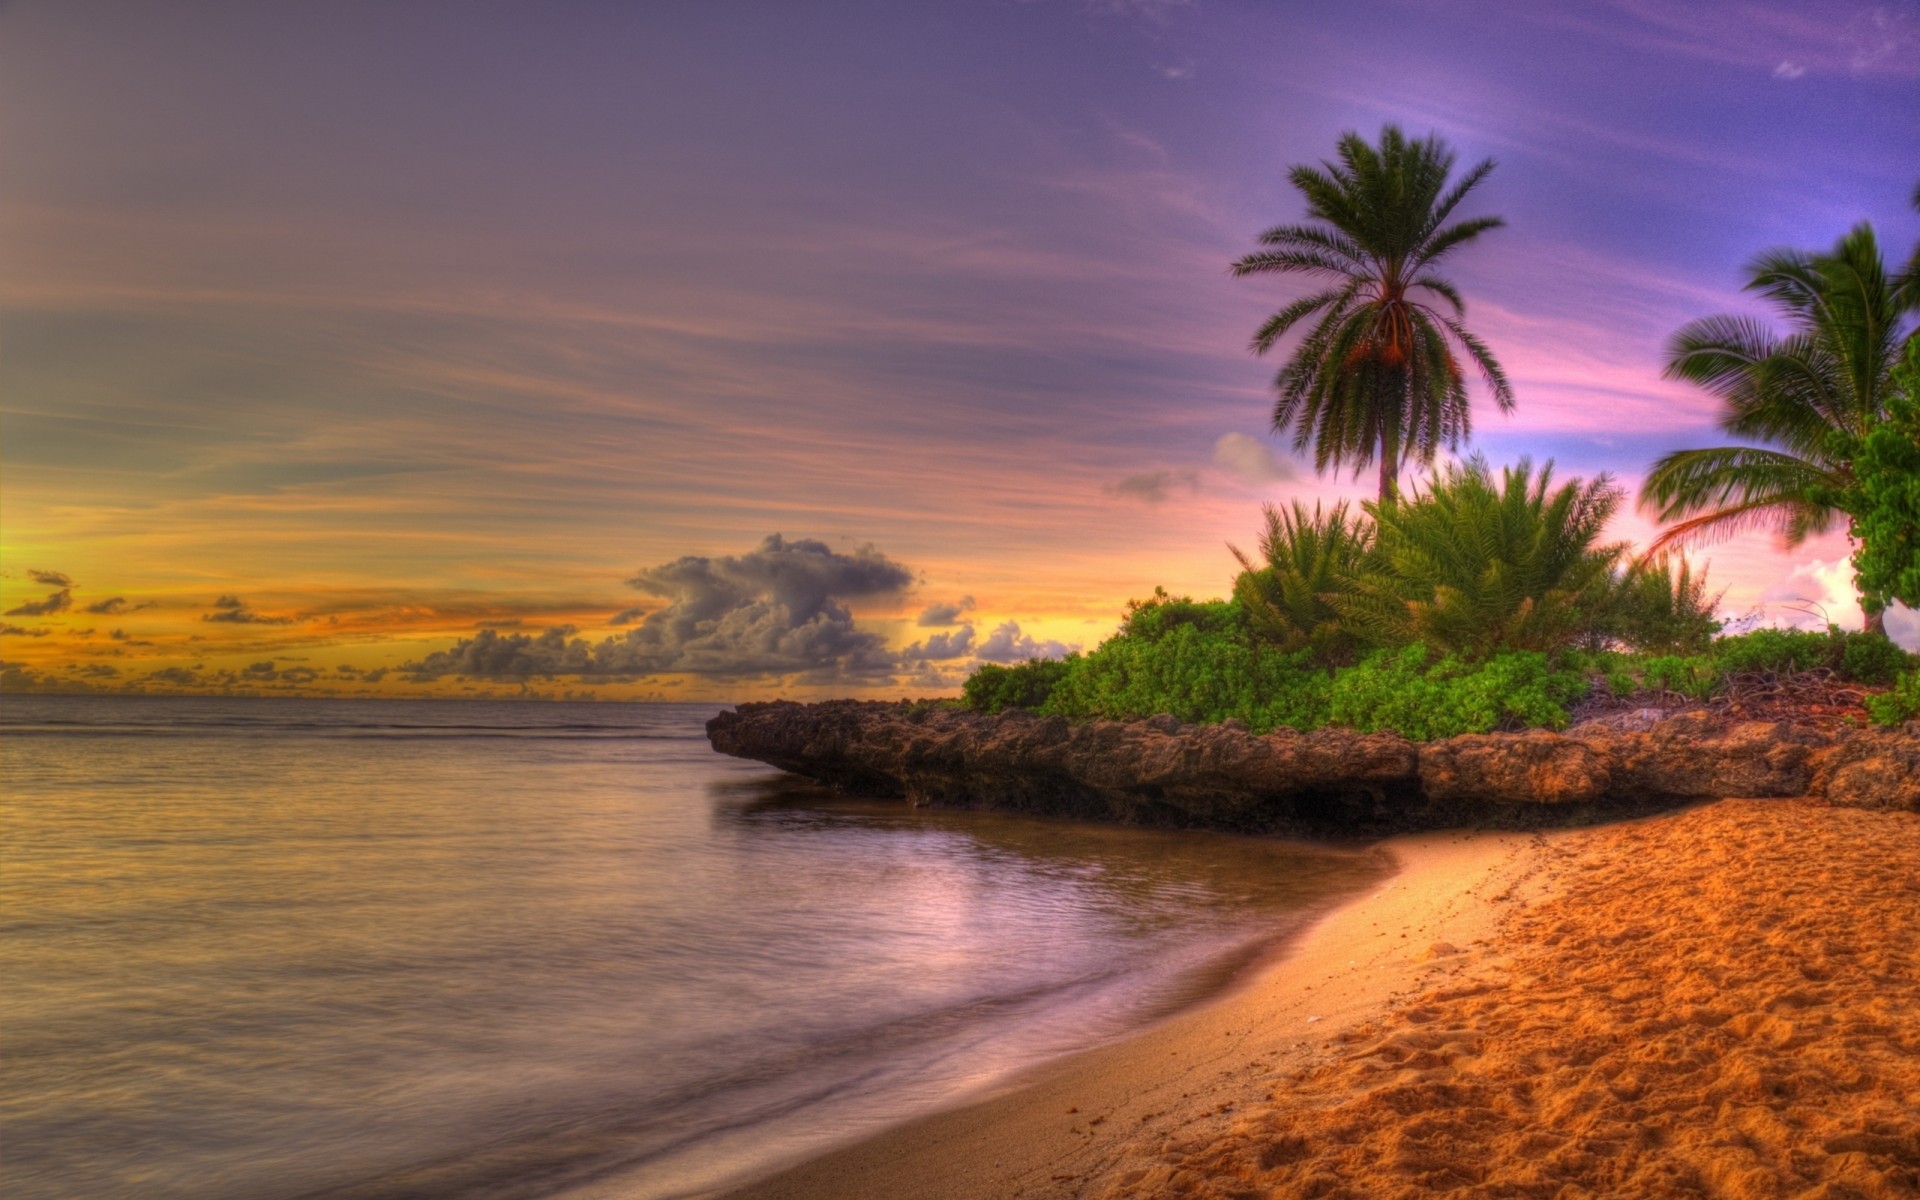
x: 1723, y: 1002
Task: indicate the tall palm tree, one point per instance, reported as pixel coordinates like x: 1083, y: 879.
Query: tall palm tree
x: 1807, y: 398
x: 1376, y: 377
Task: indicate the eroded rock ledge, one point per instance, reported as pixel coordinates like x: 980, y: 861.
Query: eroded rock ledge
x: 1165, y: 773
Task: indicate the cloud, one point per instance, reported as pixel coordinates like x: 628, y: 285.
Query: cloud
x: 180, y: 676
x: 1006, y: 644
x: 627, y: 616
x: 1152, y: 486
x: 1883, y: 34
x: 775, y: 610
x: 99, y: 670
x: 59, y: 601
x: 59, y: 579
x: 117, y: 605
x: 21, y: 631
x: 1250, y: 459
x: 937, y: 615
x: 1789, y: 70
x: 233, y: 610
x: 957, y: 644
x: 260, y: 670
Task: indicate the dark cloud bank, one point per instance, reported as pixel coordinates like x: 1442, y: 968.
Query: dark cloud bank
x: 778, y: 609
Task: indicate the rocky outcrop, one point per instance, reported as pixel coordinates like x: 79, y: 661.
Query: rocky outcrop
x: 1872, y: 770
x: 1162, y: 772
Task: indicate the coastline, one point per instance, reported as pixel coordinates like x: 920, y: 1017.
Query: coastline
x: 1069, y: 1124
x: 1718, y: 1001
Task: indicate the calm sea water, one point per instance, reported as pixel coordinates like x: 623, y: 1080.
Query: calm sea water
x: 272, y: 949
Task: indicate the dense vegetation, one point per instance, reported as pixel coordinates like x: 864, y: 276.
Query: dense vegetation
x: 1476, y: 603
x: 1483, y: 602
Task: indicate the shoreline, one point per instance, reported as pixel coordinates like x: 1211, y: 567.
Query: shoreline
x: 1066, y: 1124
x: 1714, y: 1002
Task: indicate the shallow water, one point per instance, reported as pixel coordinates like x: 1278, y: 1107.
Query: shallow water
x: 271, y: 949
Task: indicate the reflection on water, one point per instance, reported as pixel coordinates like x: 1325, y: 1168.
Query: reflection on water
x: 349, y: 949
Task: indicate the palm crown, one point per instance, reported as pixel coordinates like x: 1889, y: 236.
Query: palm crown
x: 1376, y: 376
x: 1807, y: 398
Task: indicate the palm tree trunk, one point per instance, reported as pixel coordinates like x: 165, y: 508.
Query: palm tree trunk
x: 1389, y: 466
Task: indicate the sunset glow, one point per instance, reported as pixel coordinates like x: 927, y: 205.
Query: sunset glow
x: 722, y: 352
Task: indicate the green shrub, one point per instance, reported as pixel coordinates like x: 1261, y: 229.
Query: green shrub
x: 1311, y: 558
x: 1872, y: 658
x: 993, y: 688
x: 1411, y: 692
x: 1160, y: 614
x: 1899, y: 705
x: 1693, y: 675
x: 1196, y: 674
x: 1886, y: 511
x: 1475, y: 566
x: 1779, y: 651
x: 1658, y: 609
x: 1861, y: 657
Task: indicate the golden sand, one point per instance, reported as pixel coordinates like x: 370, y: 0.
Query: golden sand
x: 1723, y: 1002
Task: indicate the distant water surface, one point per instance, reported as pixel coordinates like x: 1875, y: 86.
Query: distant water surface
x: 278, y: 949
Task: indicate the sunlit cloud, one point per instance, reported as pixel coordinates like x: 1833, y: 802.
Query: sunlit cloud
x: 942, y: 614
x: 1250, y: 460
x: 1007, y: 644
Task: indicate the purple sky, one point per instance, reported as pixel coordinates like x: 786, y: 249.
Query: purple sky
x: 397, y: 319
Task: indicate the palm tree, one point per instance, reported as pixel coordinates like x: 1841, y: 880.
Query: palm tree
x: 1376, y: 377
x: 1807, y: 398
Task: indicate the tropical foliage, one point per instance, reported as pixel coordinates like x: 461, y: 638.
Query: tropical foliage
x: 993, y: 688
x: 1807, y: 398
x: 1900, y: 703
x: 1662, y: 607
x: 1471, y: 565
x: 1376, y: 378
x: 1309, y: 557
x: 1484, y: 601
x: 1887, y: 511
x: 1420, y: 695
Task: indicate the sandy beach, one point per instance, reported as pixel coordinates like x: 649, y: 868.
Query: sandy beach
x: 1718, y: 1002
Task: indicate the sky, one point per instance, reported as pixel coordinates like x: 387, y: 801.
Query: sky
x: 726, y: 350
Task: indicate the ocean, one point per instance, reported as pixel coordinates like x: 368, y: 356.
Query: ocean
x: 268, y: 949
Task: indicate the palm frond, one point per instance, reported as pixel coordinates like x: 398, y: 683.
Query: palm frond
x: 1433, y: 250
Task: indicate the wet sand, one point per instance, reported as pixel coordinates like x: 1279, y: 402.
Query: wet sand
x: 1720, y: 1002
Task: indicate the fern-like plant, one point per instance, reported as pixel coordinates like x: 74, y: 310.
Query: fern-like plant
x: 1663, y: 608
x: 1310, y: 556
x: 1471, y: 565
